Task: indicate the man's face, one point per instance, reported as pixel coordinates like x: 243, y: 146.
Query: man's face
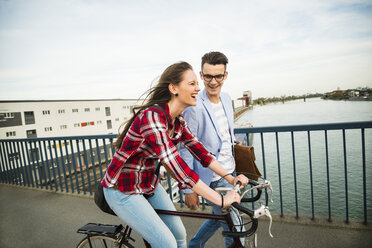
x: 213, y: 77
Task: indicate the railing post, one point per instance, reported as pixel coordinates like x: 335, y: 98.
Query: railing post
x: 364, y: 176
x: 46, y: 167
x: 75, y: 168
x: 69, y: 164
x: 99, y: 159
x: 52, y: 159
x: 93, y: 162
x: 294, y: 173
x: 311, y: 177
x: 346, y: 187
x: 25, y: 166
x: 279, y: 174
x: 87, y: 167
x: 61, y: 165
x: 81, y: 166
x: 328, y: 184
x: 32, y: 178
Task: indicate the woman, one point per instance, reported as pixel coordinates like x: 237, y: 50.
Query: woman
x: 131, y: 186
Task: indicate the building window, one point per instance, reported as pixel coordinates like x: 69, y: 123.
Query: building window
x: 87, y: 109
x: 116, y: 119
x: 29, y: 117
x: 75, y: 110
x: 99, y: 122
x: 63, y: 126
x: 98, y: 109
x: 31, y: 133
x: 77, y: 125
x: 109, y: 124
x: 61, y: 111
x: 9, y: 115
x: 46, y: 112
x: 90, y: 123
x: 48, y: 129
x: 108, y: 112
x: 11, y: 134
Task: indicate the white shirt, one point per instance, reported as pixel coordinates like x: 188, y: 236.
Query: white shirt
x: 225, y: 157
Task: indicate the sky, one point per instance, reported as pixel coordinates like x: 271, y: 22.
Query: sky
x: 90, y: 49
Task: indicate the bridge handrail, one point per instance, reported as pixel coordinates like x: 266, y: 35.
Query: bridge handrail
x: 307, y: 127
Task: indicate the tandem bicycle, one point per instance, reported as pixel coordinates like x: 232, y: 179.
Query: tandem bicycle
x: 104, y: 235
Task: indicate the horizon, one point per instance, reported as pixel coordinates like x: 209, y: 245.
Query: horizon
x: 139, y: 99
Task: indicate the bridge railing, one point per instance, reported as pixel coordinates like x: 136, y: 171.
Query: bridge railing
x: 299, y: 155
x: 69, y: 164
x: 330, y: 163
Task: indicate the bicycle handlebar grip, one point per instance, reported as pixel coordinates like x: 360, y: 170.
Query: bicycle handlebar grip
x: 247, y: 233
x: 256, y: 197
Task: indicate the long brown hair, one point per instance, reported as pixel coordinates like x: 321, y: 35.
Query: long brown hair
x: 158, y: 94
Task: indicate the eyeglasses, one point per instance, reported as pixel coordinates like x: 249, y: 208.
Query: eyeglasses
x: 219, y: 78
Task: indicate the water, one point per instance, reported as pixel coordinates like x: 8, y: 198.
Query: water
x: 315, y: 111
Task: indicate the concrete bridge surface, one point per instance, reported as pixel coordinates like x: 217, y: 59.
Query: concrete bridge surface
x: 32, y: 218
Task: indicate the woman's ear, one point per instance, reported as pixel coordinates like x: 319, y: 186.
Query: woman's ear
x: 172, y: 88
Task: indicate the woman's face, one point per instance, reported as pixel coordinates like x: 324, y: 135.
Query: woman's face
x: 188, y: 89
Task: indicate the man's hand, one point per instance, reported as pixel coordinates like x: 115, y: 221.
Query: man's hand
x: 192, y: 201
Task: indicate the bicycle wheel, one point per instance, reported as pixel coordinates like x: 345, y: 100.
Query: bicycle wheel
x: 99, y: 241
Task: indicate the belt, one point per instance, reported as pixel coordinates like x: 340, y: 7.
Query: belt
x: 115, y: 187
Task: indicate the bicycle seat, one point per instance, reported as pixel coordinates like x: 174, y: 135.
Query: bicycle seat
x: 101, y: 229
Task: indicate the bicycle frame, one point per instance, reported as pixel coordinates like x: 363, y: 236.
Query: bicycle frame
x: 224, y: 217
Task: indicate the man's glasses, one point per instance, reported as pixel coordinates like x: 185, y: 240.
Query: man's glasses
x: 219, y: 78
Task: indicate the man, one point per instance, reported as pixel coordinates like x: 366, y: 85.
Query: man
x: 212, y: 122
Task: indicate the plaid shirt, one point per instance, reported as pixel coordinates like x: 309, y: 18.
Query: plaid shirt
x: 132, y: 169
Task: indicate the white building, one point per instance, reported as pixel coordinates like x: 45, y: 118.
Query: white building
x: 56, y: 118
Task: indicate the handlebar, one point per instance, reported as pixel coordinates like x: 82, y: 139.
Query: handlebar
x: 247, y: 233
x: 257, y: 196
x: 263, y: 210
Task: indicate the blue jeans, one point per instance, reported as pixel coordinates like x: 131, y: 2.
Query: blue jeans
x: 209, y: 227
x: 138, y: 212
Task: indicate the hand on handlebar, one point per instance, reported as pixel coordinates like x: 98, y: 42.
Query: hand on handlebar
x: 243, y: 180
x: 231, y: 197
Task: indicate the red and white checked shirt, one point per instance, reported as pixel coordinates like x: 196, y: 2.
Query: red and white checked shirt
x: 132, y: 168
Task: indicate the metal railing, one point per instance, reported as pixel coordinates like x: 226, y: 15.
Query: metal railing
x: 342, y: 156
x: 76, y: 164
x: 69, y: 164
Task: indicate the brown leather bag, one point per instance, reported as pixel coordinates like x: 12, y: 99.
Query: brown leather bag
x: 245, y: 161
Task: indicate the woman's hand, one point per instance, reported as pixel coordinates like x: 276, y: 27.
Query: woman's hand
x: 242, y: 179
x: 230, y: 198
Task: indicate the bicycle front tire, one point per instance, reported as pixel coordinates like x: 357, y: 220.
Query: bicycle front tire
x: 99, y: 241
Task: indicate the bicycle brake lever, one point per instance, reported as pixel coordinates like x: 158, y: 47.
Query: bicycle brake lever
x: 261, y: 211
x: 268, y: 214
x: 270, y: 187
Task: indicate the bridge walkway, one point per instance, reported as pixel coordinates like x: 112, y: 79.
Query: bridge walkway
x: 32, y: 218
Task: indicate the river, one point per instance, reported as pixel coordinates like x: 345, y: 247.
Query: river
x: 315, y: 111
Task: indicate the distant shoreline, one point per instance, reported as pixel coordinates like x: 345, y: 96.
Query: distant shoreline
x: 349, y: 98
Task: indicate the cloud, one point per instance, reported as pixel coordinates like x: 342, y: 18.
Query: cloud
x: 92, y: 49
